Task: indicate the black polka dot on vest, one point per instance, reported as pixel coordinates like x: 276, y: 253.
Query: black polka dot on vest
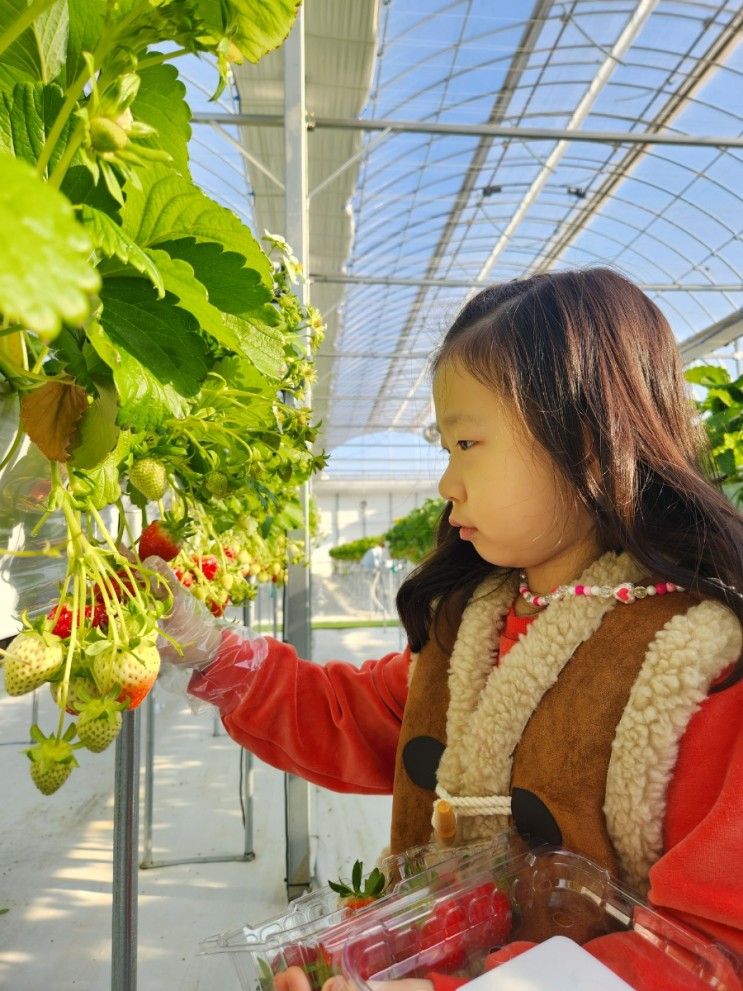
x: 420, y: 757
x: 533, y: 820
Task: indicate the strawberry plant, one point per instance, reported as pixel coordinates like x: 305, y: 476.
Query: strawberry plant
x: 721, y: 409
x: 157, y: 351
x: 414, y: 535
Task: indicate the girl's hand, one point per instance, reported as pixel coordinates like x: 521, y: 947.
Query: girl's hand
x: 295, y: 979
x: 189, y: 621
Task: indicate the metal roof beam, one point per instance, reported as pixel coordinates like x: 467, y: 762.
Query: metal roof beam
x: 472, y: 176
x: 385, y: 280
x: 706, y: 64
x: 723, y: 332
x: 620, y: 47
x: 481, y: 130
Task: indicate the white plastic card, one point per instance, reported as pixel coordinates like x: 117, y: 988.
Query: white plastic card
x: 558, y: 964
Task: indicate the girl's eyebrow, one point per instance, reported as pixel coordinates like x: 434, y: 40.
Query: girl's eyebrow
x: 453, y: 419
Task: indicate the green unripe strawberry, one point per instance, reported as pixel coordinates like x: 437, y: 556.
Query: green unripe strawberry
x: 98, y: 727
x: 150, y: 478
x: 218, y: 484
x: 81, y: 687
x: 31, y: 659
x: 52, y: 760
x: 106, y: 136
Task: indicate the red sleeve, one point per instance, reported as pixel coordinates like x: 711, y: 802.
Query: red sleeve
x: 336, y: 724
x: 700, y: 875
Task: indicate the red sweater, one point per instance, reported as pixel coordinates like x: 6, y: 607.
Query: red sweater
x: 337, y: 725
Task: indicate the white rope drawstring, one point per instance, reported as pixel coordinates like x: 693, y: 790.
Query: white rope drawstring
x: 473, y: 805
x: 448, y: 807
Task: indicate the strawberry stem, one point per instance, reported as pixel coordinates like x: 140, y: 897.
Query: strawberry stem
x: 120, y: 559
x: 78, y: 587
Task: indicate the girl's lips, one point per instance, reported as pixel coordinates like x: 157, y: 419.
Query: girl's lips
x: 467, y: 532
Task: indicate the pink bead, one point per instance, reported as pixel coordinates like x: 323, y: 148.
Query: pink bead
x: 579, y: 590
x: 660, y: 588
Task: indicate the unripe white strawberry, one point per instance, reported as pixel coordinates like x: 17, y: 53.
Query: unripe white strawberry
x: 97, y: 727
x: 31, y: 659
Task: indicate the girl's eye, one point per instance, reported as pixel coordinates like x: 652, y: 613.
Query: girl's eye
x: 465, y: 445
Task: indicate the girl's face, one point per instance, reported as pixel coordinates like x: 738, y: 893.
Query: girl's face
x: 507, y: 497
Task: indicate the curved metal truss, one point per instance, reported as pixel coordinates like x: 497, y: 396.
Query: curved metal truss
x: 436, y: 214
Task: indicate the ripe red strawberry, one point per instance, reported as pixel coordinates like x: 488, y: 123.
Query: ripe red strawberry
x: 150, y: 478
x: 162, y: 538
x: 30, y: 660
x: 120, y: 585
x: 52, y: 760
x: 443, y: 934
x: 489, y: 914
x: 63, y: 626
x: 97, y: 614
x: 215, y: 608
x: 208, y: 565
x: 133, y: 668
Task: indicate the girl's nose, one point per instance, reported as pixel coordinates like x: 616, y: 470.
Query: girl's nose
x: 450, y: 488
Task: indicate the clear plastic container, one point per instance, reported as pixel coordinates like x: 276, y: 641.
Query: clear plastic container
x: 458, y: 924
x: 316, y: 922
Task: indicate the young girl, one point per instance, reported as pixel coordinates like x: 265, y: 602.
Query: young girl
x: 574, y: 662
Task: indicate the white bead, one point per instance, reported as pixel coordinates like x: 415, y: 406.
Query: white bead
x: 651, y: 590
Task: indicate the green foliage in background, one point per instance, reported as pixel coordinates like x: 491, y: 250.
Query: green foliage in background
x: 722, y: 414
x: 354, y: 550
x: 414, y: 535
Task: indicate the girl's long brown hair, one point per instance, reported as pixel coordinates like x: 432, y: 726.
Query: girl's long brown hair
x: 591, y: 365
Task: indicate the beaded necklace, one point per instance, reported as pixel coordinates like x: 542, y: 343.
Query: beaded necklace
x: 626, y: 592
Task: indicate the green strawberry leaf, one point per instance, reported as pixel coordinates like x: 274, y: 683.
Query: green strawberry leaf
x: 20, y: 61
x: 255, y: 27
x: 85, y: 28
x: 68, y: 355
x: 262, y: 344
x: 231, y: 287
x: 170, y: 206
x: 178, y: 278
x: 45, y: 271
x: 707, y: 375
x: 97, y: 431
x: 50, y: 30
x: 144, y: 402
x: 160, y: 103
x: 80, y: 187
x: 26, y: 116
x: 160, y: 335
x: 113, y: 241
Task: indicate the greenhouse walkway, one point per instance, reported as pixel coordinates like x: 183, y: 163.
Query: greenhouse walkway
x: 55, y: 853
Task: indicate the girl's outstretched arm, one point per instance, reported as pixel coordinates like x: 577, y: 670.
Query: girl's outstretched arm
x: 336, y: 724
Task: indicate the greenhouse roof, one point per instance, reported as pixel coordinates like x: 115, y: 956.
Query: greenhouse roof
x: 465, y: 170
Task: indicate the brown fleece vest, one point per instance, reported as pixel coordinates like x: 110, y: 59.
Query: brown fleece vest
x: 560, y: 765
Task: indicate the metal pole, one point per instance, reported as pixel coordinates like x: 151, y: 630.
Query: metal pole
x: 297, y: 589
x: 149, y: 780
x: 477, y: 130
x: 126, y: 840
